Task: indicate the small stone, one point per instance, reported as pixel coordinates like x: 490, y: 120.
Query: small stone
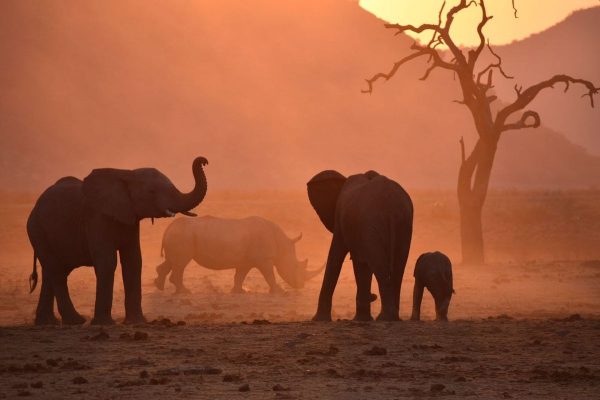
x: 51, y: 362
x: 138, y: 335
x: 23, y: 393
x: 376, y: 351
x: 460, y: 379
x: 231, y: 378
x: 244, y: 388
x: 279, y: 388
x: 101, y: 336
x: 181, y: 323
x: 261, y: 322
x: 125, y: 336
x: 144, y: 374
x: 437, y: 387
x: 37, y: 385
x: 79, y: 380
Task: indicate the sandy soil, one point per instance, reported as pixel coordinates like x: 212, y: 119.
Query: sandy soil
x: 531, y: 347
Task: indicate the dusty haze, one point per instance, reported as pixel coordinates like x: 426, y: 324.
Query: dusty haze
x: 269, y: 92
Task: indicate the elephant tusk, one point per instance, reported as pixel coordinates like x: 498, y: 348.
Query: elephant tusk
x: 170, y: 213
x: 189, y: 213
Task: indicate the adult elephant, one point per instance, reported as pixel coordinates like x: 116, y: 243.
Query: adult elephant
x: 371, y: 218
x: 76, y: 223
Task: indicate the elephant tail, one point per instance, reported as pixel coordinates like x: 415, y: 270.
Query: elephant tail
x: 33, y: 278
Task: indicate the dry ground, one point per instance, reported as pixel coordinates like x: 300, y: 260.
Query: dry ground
x: 543, y: 249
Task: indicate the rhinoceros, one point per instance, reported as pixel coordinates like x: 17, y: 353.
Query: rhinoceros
x: 243, y: 244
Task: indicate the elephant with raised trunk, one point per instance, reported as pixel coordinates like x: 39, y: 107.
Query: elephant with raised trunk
x: 243, y: 244
x: 86, y: 223
x: 371, y: 218
x: 434, y: 272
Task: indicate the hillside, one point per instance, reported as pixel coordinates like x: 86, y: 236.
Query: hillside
x: 570, y: 47
x: 268, y: 91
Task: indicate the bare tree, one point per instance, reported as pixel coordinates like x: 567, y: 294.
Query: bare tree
x: 476, y: 83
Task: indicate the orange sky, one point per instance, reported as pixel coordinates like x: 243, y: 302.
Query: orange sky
x: 534, y: 16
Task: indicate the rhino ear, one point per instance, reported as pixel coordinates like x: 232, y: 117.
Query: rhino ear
x: 106, y: 190
x: 323, y: 192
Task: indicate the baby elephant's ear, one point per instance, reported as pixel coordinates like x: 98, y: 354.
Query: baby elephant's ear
x: 106, y: 190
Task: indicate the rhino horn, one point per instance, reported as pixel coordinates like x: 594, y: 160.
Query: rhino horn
x: 311, y: 274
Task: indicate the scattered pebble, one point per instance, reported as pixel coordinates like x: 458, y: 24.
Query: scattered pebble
x: 139, y: 335
x: 279, y: 388
x: 437, y: 387
x: 37, y: 385
x: 231, y: 378
x: 244, y: 388
x: 79, y: 380
x: 261, y: 322
x: 144, y: 374
x: 100, y: 336
x: 376, y: 351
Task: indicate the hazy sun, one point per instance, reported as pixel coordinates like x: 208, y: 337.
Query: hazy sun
x: 533, y: 16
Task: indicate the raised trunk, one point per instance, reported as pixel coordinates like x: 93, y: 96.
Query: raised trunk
x: 473, y: 181
x: 192, y: 199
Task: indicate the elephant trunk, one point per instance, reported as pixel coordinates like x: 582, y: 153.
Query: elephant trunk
x: 187, y: 201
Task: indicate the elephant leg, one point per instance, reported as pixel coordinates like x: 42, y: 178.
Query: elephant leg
x: 441, y: 308
x: 417, y: 298
x: 131, y: 268
x: 388, y: 292
x: 44, y: 314
x: 266, y: 269
x: 67, y: 311
x: 162, y: 271
x: 363, y: 277
x: 105, y: 264
x: 238, y: 279
x: 335, y: 260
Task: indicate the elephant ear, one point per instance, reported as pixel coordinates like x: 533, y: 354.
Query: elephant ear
x: 106, y: 190
x: 323, y: 192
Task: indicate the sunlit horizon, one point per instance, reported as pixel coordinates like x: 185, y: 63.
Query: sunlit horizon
x: 502, y: 29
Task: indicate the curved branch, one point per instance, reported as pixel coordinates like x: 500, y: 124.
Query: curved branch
x: 524, y: 97
x: 497, y: 65
x: 474, y: 54
x: 421, y: 51
x: 522, y: 123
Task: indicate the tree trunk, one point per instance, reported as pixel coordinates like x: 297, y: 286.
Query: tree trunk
x: 471, y: 231
x: 473, y: 181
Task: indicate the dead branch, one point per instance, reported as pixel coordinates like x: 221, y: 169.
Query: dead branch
x: 497, y: 64
x: 524, y: 97
x: 514, y: 8
x: 474, y: 54
x: 522, y: 123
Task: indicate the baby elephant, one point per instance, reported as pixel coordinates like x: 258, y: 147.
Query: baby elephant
x: 434, y: 272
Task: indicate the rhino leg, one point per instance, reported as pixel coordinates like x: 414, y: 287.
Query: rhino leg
x: 267, y: 270
x: 162, y: 271
x: 238, y: 279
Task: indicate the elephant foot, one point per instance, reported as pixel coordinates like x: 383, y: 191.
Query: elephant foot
x: 103, y: 321
x: 48, y: 319
x: 388, y: 317
x: 239, y: 290
x: 322, y: 317
x: 75, y: 319
x: 135, y: 320
x: 363, y: 317
x: 159, y: 283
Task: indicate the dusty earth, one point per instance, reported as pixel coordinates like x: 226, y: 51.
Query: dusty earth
x: 526, y: 325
